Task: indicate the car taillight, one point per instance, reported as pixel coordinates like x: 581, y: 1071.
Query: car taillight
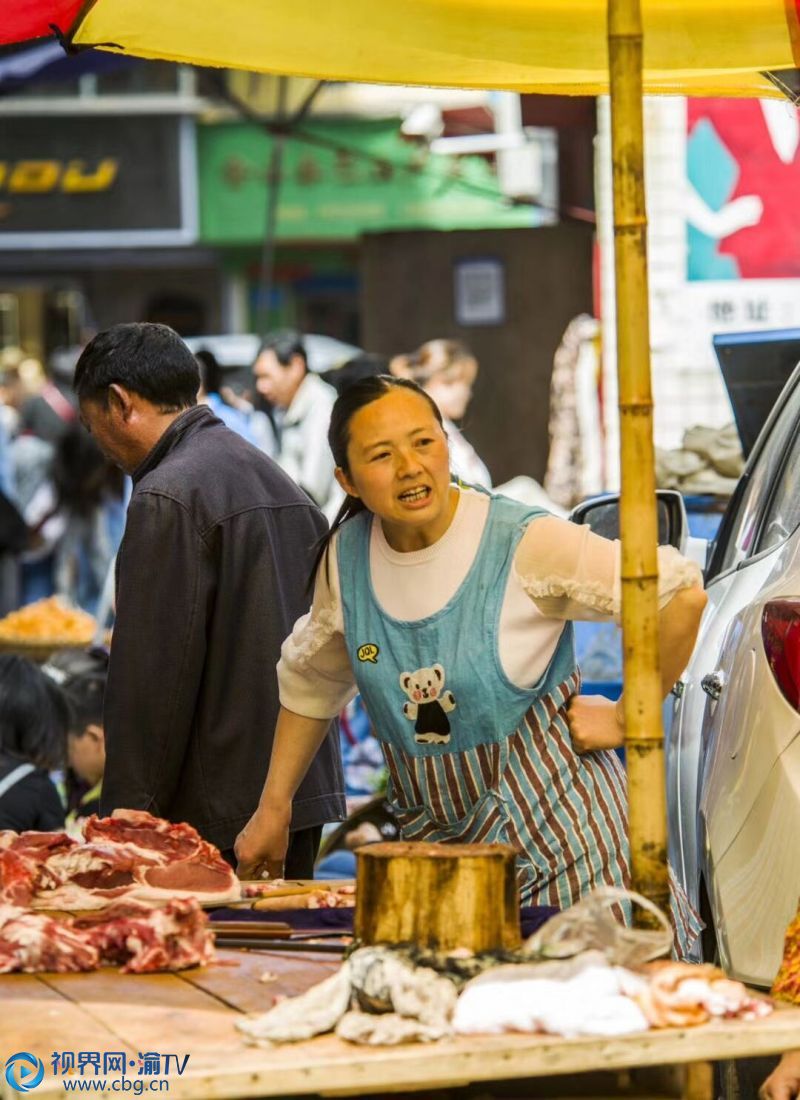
x: 780, y: 630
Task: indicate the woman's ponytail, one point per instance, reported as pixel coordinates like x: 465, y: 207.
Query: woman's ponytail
x: 351, y: 506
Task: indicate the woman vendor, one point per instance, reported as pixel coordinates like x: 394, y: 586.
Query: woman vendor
x: 448, y: 609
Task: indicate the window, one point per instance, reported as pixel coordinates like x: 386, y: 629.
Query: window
x: 782, y: 516
x: 741, y: 527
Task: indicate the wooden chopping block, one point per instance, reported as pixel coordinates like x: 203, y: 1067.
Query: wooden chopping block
x: 441, y: 896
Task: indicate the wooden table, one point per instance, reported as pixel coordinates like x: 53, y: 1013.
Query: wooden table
x: 194, y: 1013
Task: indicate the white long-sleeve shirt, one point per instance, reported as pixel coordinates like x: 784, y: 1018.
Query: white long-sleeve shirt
x: 304, y: 452
x: 561, y: 571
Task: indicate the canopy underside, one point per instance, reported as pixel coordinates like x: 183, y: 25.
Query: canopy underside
x: 692, y: 47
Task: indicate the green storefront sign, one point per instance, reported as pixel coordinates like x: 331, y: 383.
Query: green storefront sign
x: 341, y: 179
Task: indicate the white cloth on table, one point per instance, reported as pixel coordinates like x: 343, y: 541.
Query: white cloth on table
x: 513, y: 998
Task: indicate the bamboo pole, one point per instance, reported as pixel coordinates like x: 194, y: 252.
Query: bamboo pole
x: 644, y: 737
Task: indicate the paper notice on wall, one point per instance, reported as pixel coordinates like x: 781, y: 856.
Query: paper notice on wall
x: 480, y: 291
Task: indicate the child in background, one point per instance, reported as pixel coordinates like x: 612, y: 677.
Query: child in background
x: 81, y: 675
x: 33, y: 724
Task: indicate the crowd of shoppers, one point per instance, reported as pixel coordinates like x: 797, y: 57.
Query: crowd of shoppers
x: 62, y: 509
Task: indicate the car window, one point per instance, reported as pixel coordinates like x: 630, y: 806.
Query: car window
x: 742, y: 527
x: 783, y: 512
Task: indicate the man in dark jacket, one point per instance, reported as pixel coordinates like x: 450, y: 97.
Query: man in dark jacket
x: 211, y: 576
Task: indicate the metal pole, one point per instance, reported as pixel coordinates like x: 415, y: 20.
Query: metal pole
x: 274, y: 175
x: 644, y: 739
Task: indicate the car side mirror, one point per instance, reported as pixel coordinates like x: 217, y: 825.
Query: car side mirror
x: 601, y: 514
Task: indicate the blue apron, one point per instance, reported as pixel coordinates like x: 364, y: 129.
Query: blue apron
x: 471, y: 756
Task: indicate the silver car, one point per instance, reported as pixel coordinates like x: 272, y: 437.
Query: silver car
x: 733, y: 750
x: 733, y: 734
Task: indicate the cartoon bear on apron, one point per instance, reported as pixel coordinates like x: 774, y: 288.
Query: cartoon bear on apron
x: 429, y: 705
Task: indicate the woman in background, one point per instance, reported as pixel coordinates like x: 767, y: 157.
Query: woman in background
x: 88, y: 513
x: 446, y: 370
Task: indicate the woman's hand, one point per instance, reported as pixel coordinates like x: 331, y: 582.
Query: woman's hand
x: 261, y: 845
x: 594, y: 723
x: 784, y: 1081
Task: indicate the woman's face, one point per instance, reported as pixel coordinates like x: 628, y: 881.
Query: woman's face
x: 399, y: 466
x: 452, y: 391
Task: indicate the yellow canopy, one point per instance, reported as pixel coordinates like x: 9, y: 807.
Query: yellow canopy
x: 692, y: 47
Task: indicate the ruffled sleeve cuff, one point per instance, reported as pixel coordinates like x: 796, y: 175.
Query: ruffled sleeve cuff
x: 571, y: 573
x: 675, y: 572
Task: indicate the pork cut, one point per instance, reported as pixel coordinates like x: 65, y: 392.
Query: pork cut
x: 133, y: 856
x: 32, y: 942
x: 17, y: 878
x: 142, y: 939
x: 23, y: 857
x: 149, y: 834
x: 133, y: 936
x: 40, y: 846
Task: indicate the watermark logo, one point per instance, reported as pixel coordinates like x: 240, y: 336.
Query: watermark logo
x: 107, y: 1071
x: 24, y: 1071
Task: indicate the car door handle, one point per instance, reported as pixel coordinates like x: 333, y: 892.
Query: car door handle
x: 713, y: 684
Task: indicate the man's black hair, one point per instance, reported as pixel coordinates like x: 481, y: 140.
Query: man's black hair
x: 147, y: 359
x: 285, y: 343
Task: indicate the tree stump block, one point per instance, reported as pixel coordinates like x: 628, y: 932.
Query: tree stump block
x: 441, y: 896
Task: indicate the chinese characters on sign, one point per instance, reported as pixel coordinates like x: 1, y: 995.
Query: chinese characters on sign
x: 751, y: 311
x: 108, y: 1063
x: 340, y: 179
x: 309, y: 170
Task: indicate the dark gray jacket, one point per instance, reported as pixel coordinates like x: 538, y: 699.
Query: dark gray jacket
x: 211, y: 576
